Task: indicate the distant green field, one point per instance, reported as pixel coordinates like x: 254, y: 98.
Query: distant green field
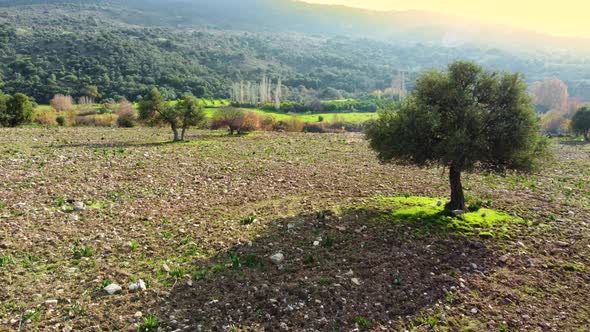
x: 327, y: 117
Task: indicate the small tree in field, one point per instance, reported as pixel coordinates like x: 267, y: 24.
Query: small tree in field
x: 581, y: 122
x: 187, y: 112
x: 463, y: 119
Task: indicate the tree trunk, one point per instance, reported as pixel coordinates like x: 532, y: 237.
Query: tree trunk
x: 182, y: 133
x: 586, y: 136
x: 175, y: 131
x: 457, y: 198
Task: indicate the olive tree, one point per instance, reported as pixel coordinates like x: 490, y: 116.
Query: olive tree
x: 186, y: 113
x: 463, y: 118
x: 581, y: 122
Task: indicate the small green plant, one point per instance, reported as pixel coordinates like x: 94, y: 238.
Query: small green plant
x: 59, y: 202
x: 324, y: 281
x: 309, y: 260
x: 61, y: 120
x: 251, y: 260
x: 430, y: 321
x: 2, y: 206
x: 82, y: 252
x: 235, y: 260
x: 249, y: 220
x: 105, y: 283
x: 133, y: 245
x: 362, y: 322
x: 6, y: 260
x: 320, y: 118
x: 200, y: 274
x: 328, y: 242
x: 33, y: 315
x: 176, y: 273
x: 397, y: 281
x: 502, y: 327
x: 150, y: 323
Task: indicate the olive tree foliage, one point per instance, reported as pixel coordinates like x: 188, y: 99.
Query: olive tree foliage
x: 464, y: 118
x: 581, y: 122
x: 15, y: 110
x: 187, y: 112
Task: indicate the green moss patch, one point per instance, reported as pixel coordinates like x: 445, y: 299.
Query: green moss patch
x: 429, y: 215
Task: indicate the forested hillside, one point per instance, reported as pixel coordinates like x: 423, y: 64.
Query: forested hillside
x: 125, y: 48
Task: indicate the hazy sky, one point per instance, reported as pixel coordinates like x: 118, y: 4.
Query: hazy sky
x: 565, y: 17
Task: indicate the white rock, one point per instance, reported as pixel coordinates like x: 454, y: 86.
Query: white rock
x: 316, y: 243
x: 79, y: 206
x: 51, y: 303
x: 277, y: 258
x: 138, y: 314
x: 165, y: 267
x: 74, y: 217
x: 112, y: 289
x: 474, y: 310
x: 138, y: 286
x: 355, y: 281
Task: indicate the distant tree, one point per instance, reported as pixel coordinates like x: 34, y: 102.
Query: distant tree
x: 554, y: 123
x: 551, y: 94
x: 190, y: 113
x: 377, y: 94
x: 464, y: 118
x: 581, y: 122
x: 15, y: 110
x: 187, y: 112
x: 92, y: 92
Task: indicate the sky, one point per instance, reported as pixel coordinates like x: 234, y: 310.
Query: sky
x: 561, y: 18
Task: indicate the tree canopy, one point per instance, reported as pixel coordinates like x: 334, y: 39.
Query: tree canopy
x: 15, y: 110
x: 187, y: 112
x: 463, y: 118
x: 581, y: 122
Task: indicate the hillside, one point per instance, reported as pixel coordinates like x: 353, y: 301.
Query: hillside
x: 124, y: 48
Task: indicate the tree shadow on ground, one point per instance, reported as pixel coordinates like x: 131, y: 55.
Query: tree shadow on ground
x: 191, y: 139
x: 339, y: 272
x: 574, y: 143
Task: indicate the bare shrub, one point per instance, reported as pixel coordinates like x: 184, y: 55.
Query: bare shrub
x: 62, y: 103
x: 127, y: 115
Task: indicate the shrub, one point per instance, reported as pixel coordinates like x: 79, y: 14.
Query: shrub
x: 314, y: 128
x: 61, y: 120
x: 45, y: 117
x: 295, y: 125
x: 127, y: 115
x: 62, y: 103
x: 236, y: 120
x: 15, y: 110
x: 105, y: 120
x: 267, y: 122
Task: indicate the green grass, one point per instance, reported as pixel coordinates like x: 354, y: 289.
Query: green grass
x: 429, y: 214
x: 328, y: 117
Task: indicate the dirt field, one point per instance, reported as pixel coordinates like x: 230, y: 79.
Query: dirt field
x: 82, y: 208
